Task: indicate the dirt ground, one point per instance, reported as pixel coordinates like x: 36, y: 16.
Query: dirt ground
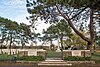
x: 10, y: 64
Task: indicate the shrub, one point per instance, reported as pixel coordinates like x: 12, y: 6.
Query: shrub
x: 75, y: 58
x: 31, y: 58
x: 5, y: 57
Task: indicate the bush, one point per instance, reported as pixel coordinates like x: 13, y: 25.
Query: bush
x: 5, y: 57
x: 31, y: 58
x: 75, y: 58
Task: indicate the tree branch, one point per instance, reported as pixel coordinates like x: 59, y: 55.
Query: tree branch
x: 79, y: 12
x: 71, y: 24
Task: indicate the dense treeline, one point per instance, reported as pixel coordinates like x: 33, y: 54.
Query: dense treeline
x: 12, y: 33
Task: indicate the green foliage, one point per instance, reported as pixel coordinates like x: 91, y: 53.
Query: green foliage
x: 72, y: 11
x: 31, y: 58
x: 77, y: 41
x: 11, y: 30
x: 75, y: 58
x: 57, y: 30
x: 25, y: 29
x: 4, y: 57
x: 14, y: 26
x: 11, y: 25
x: 75, y: 3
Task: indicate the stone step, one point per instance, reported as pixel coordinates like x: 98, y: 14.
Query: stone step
x: 54, y: 63
x: 55, y: 60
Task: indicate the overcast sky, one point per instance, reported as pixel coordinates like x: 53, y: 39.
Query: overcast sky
x: 16, y: 10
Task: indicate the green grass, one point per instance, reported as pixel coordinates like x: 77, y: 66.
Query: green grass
x: 96, y: 57
x: 53, y: 54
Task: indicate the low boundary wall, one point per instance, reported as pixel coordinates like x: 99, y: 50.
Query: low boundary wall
x: 80, y: 53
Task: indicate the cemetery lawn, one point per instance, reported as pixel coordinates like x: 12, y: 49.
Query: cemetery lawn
x: 53, y: 54
x: 4, y: 57
x: 96, y: 57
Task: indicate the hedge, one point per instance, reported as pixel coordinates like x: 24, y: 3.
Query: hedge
x: 31, y: 58
x: 75, y: 58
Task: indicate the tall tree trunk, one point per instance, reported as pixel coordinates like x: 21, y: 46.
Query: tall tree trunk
x: 22, y: 45
x: 58, y: 39
x: 1, y: 45
x: 51, y: 45
x: 6, y: 42
x: 89, y: 45
x: 61, y: 42
x: 1, y: 48
x: 10, y: 43
x: 92, y: 35
x: 61, y: 39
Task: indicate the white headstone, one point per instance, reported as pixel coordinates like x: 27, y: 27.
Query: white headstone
x: 76, y: 53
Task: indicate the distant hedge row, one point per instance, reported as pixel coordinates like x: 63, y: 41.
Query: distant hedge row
x: 75, y: 58
x: 5, y: 57
x: 31, y: 58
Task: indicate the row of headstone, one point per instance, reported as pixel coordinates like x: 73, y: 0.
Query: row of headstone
x: 80, y: 53
x: 28, y: 52
x: 66, y: 53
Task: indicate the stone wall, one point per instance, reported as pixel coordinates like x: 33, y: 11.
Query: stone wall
x: 7, y: 51
x: 23, y: 53
x: 31, y: 52
x: 80, y: 53
x: 41, y: 53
